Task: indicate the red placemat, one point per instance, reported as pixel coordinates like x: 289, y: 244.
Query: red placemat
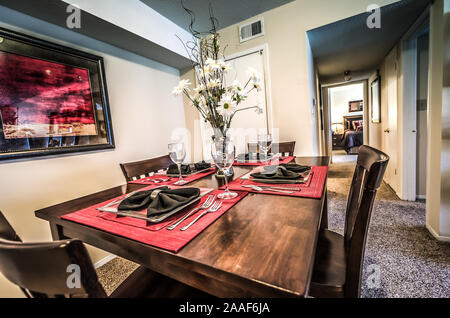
x: 272, y: 163
x: 312, y: 189
x: 156, y: 235
x: 189, y: 179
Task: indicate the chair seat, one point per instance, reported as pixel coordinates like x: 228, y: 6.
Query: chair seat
x: 328, y: 278
x: 145, y: 283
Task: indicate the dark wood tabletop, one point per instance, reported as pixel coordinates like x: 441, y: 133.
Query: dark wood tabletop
x: 262, y: 247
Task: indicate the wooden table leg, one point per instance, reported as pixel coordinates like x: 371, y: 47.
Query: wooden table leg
x: 324, y: 221
x: 56, y: 231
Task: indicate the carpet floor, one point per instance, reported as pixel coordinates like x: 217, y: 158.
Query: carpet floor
x: 402, y: 259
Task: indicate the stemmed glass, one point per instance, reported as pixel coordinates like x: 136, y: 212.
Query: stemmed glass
x: 177, y: 153
x: 265, y: 144
x: 222, y: 151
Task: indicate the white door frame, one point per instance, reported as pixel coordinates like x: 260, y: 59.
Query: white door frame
x: 326, y: 113
x: 264, y: 48
x: 409, y: 118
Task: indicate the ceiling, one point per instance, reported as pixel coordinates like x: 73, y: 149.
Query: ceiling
x: 350, y: 45
x: 228, y: 12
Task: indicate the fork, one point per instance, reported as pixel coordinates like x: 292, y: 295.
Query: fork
x: 206, y: 205
x: 216, y: 206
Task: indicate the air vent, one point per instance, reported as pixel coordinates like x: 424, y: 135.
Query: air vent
x: 251, y: 30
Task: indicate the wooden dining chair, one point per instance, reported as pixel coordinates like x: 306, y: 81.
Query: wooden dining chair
x: 338, y: 260
x: 46, y: 270
x: 142, y: 169
x: 285, y: 148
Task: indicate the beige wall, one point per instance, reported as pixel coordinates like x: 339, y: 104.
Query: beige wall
x: 435, y: 117
x: 285, y: 34
x: 144, y: 114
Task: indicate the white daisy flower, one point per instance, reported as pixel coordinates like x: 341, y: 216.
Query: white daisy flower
x: 199, y: 88
x: 254, y: 75
x: 183, y: 85
x: 227, y: 106
x: 257, y: 86
x: 259, y: 108
x: 214, y: 83
x: 225, y: 66
x: 238, y: 89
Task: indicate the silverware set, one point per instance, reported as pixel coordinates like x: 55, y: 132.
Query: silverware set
x: 272, y: 189
x: 206, y: 205
x: 215, y: 207
x: 210, y: 206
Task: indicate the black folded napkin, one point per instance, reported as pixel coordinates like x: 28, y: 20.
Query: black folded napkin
x: 164, y: 200
x: 173, y: 169
x: 276, y: 172
x: 295, y: 167
x: 202, y: 166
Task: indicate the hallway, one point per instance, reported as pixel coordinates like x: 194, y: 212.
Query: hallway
x: 412, y: 263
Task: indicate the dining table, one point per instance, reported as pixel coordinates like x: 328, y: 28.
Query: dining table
x: 263, y: 247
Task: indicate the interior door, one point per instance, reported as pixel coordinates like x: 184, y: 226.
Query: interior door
x: 390, y: 125
x: 247, y: 124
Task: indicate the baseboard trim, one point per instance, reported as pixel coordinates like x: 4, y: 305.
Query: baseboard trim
x: 437, y: 236
x: 421, y: 197
x: 105, y: 260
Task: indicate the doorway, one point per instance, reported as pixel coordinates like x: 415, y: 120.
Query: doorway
x: 346, y: 116
x: 422, y: 110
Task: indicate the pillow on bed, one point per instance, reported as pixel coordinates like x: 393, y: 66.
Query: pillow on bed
x: 357, y: 124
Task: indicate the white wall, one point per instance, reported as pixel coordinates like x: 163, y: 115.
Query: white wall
x: 144, y: 114
x: 285, y: 34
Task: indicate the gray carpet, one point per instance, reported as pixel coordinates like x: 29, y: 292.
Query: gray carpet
x: 410, y: 261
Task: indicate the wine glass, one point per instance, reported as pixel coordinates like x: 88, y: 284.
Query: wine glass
x: 222, y: 151
x: 177, y: 153
x: 265, y: 144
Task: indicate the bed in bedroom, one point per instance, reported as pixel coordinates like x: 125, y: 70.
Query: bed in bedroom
x: 352, y: 140
x: 353, y: 136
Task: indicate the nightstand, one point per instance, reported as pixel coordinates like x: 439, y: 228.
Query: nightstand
x: 336, y: 142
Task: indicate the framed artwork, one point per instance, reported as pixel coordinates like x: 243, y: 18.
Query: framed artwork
x: 376, y: 100
x: 355, y: 106
x: 53, y: 99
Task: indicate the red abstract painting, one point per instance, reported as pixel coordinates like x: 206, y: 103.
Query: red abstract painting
x: 43, y: 99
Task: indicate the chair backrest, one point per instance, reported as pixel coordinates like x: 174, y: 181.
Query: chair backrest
x: 285, y: 148
x: 139, y: 169
x: 367, y: 178
x: 6, y: 230
x: 47, y: 269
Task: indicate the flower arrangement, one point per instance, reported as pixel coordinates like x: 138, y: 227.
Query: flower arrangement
x: 217, y: 101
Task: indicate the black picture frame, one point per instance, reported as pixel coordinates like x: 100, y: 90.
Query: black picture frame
x: 355, y: 106
x: 375, y: 91
x: 56, y: 142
